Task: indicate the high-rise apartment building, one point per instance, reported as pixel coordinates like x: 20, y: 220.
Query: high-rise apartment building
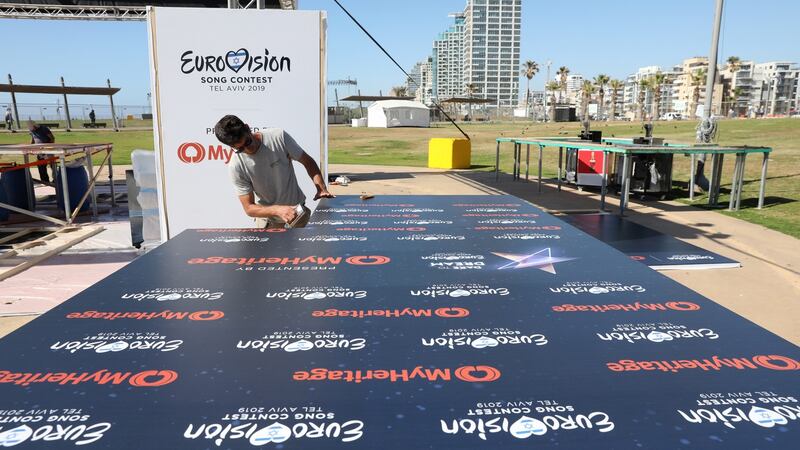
x: 480, y: 49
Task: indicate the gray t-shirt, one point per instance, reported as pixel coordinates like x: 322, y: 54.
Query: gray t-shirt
x: 269, y: 172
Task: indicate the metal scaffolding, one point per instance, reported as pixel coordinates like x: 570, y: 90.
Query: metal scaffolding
x: 122, y: 11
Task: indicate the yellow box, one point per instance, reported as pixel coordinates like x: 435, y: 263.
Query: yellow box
x: 445, y: 153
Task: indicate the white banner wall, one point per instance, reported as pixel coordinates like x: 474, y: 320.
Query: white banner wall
x: 265, y: 66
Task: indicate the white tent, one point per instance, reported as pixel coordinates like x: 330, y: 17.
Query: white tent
x: 398, y: 113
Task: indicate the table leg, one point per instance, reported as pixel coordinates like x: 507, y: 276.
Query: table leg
x: 762, y: 188
x: 691, y: 177
x: 65, y: 188
x: 741, y: 182
x: 497, y: 163
x: 560, y: 158
x: 734, y: 183
x: 90, y: 169
x: 604, y: 186
x: 28, y: 182
x: 111, y: 177
x: 626, y: 183
x: 527, y: 161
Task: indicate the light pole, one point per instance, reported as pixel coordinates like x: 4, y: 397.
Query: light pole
x: 547, y: 80
x: 42, y: 110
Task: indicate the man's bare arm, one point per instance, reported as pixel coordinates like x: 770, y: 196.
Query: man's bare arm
x: 253, y: 209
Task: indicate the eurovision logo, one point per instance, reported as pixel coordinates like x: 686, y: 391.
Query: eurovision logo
x: 455, y: 261
x: 506, y: 221
x: 339, y: 210
x: 430, y: 237
x: 417, y: 210
x: 689, y: 257
x: 491, y: 210
x: 459, y: 290
x: 113, y: 342
x: 596, y: 288
x: 316, y: 293
x: 49, y: 426
x: 423, y: 222
x: 655, y: 332
x: 173, y: 294
x: 480, y: 338
x: 252, y: 425
x: 332, y: 238
x: 542, y: 260
x: 234, y: 60
x: 487, y: 205
x: 525, y: 236
x: 469, y: 374
x: 525, y: 419
x: 233, y: 239
x: 764, y: 409
x: 338, y: 222
x: 302, y: 341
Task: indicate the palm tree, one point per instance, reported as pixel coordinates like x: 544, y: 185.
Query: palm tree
x: 552, y: 86
x: 615, y: 86
x: 601, y: 80
x: 529, y: 69
x: 563, y: 71
x: 644, y: 86
x: 698, y: 77
x: 399, y: 91
x: 587, y: 89
x: 657, y: 80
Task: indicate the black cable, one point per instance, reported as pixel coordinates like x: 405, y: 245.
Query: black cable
x: 398, y: 66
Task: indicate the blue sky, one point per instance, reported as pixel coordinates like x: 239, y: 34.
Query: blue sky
x: 590, y: 37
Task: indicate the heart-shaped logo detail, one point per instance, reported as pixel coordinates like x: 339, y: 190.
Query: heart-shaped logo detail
x: 236, y: 59
x: 526, y: 426
x: 484, y: 341
x: 276, y: 433
x: 459, y: 293
x: 112, y: 347
x: 658, y: 336
x: 314, y: 296
x: 301, y: 345
x: 15, y: 436
x: 765, y: 417
x: 598, y: 290
x: 169, y: 297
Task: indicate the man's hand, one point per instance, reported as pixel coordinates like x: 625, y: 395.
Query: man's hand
x: 323, y: 193
x: 285, y: 213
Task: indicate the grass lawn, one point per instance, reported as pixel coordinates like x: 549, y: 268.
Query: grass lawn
x: 409, y: 147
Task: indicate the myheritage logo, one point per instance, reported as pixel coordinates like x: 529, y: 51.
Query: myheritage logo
x: 234, y: 60
x: 195, y: 152
x: 469, y: 374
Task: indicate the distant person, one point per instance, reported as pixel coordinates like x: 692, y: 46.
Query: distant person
x: 9, y: 119
x: 92, y: 117
x: 40, y: 134
x: 263, y: 176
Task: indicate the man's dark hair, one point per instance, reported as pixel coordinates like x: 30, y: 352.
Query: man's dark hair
x: 230, y: 130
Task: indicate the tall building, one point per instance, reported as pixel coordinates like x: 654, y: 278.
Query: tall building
x: 448, y: 61
x: 776, y: 87
x: 420, y: 84
x: 491, y: 36
x: 480, y: 48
